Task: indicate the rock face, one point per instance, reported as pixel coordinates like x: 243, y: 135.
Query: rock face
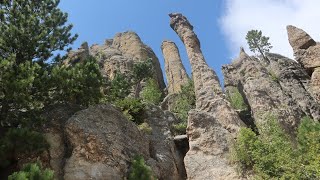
x: 79, y: 55
x: 307, y: 53
x: 124, y: 50
x: 213, y: 124
x: 277, y: 90
x: 103, y: 143
x: 55, y: 135
x: 175, y: 71
x: 119, y: 55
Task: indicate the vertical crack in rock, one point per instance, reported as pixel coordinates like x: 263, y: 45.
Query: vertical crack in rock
x: 213, y: 125
x: 307, y: 53
x: 175, y: 71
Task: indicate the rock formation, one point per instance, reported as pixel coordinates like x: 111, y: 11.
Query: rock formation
x: 103, y: 143
x: 278, y: 90
x: 307, y: 53
x: 213, y: 124
x: 79, y: 55
x: 175, y: 71
x: 119, y: 54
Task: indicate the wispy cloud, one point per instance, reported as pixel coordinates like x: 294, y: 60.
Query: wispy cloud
x: 270, y: 16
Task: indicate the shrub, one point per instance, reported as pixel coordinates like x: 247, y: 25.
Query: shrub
x: 151, y: 92
x: 186, y: 101
x: 180, y: 128
x: 274, y: 77
x: 271, y: 155
x: 80, y: 84
x: 145, y: 127
x: 32, y: 172
x: 21, y: 141
x: 132, y: 108
x: 119, y: 87
x: 139, y: 170
x: 236, y: 99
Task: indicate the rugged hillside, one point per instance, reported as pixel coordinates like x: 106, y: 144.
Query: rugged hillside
x: 100, y: 142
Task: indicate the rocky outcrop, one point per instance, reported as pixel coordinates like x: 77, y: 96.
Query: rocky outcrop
x: 307, y: 53
x: 103, y: 143
x: 120, y: 53
x: 213, y: 124
x: 78, y: 55
x: 175, y: 71
x: 55, y: 136
x: 278, y: 90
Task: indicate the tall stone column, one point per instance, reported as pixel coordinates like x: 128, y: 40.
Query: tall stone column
x: 213, y: 125
x: 207, y: 85
x: 175, y: 71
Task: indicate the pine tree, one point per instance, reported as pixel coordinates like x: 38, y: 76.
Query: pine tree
x: 258, y: 42
x: 30, y: 32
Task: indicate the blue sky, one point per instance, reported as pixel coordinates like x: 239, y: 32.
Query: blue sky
x: 97, y: 20
x: 221, y: 25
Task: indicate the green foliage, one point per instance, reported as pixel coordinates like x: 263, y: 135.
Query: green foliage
x: 132, y: 108
x: 32, y: 30
x: 18, y: 141
x: 80, y: 84
x: 236, y: 99
x: 257, y: 42
x: 151, y: 92
x: 271, y: 155
x: 32, y: 172
x: 180, y: 128
x: 274, y: 77
x: 139, y: 170
x: 16, y: 90
x: 142, y: 70
x: 145, y: 127
x: 186, y: 101
x: 119, y: 87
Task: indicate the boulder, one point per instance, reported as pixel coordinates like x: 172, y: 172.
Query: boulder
x: 103, y: 143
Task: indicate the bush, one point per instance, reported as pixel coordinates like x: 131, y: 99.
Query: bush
x: 32, y: 172
x: 151, y: 92
x: 236, y: 99
x: 180, y: 128
x: 145, y: 127
x: 139, y: 170
x: 80, y: 84
x: 132, y: 108
x: 271, y: 155
x: 186, y: 101
x: 21, y: 141
x: 119, y: 87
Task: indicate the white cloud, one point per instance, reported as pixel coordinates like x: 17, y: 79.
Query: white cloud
x: 272, y: 17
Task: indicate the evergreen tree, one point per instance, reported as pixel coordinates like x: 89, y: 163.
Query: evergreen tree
x: 151, y: 92
x: 258, y: 42
x: 30, y: 32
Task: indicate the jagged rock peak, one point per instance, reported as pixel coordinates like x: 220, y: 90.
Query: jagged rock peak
x: 298, y: 38
x: 307, y: 53
x: 243, y: 53
x: 175, y: 71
